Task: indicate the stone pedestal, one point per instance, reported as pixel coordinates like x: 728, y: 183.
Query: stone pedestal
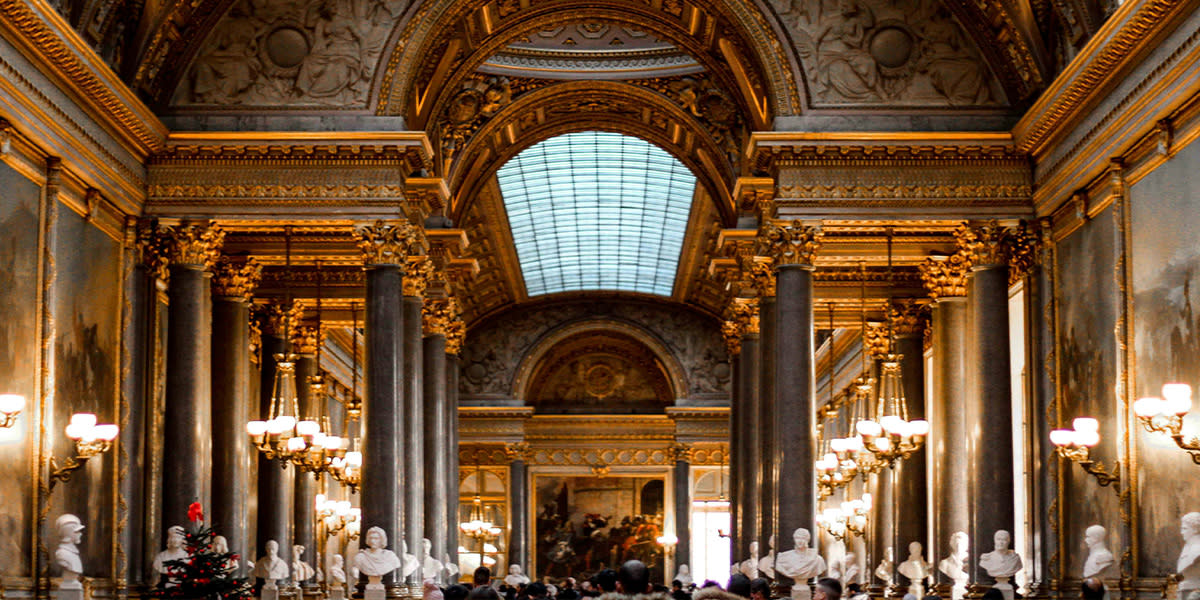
x: 269, y: 591
x: 337, y: 593
x: 374, y: 589
x: 1006, y: 588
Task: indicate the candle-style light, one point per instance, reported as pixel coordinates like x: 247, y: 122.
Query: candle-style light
x: 1075, y: 444
x: 11, y: 405
x: 90, y: 440
x: 1165, y: 415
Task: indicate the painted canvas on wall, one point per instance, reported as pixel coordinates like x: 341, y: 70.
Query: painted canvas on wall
x: 1166, y: 325
x: 87, y: 358
x: 19, y: 199
x: 585, y: 524
x: 1087, y: 313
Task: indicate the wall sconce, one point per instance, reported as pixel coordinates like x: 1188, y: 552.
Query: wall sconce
x: 667, y: 541
x: 90, y: 440
x: 1165, y: 415
x: 11, y: 405
x: 1075, y: 444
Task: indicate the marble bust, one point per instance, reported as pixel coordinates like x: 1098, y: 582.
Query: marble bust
x: 801, y: 563
x: 850, y: 573
x: 174, y: 551
x: 1099, y: 558
x: 916, y: 569
x: 301, y: 570
x: 516, y: 576
x: 270, y: 567
x: 766, y: 564
x: 1188, y: 566
x: 451, y: 566
x: 1003, y: 561
x: 684, y: 575
x: 376, y: 561
x: 884, y: 570
x: 221, y: 546
x: 66, y: 555
x: 954, y: 566
x: 337, y: 570
x: 410, y: 563
x: 431, y: 567
x: 749, y: 567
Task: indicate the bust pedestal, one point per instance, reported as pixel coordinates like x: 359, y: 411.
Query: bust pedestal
x: 801, y: 590
x: 270, y: 591
x: 337, y: 592
x: 69, y: 589
x: 374, y: 589
x: 1006, y: 588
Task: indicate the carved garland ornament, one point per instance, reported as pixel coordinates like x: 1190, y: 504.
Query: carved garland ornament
x: 384, y: 244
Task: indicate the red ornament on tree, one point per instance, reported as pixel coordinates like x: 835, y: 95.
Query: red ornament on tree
x: 195, y: 513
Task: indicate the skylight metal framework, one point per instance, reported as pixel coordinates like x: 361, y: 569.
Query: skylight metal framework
x: 597, y: 211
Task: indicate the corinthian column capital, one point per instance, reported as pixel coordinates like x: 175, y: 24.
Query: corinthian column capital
x: 193, y: 244
x: 790, y: 242
x: 236, y: 279
x: 985, y: 244
x: 946, y: 276
x: 389, y: 244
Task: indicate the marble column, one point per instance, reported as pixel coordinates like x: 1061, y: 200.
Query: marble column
x: 989, y: 424
x: 276, y: 481
x: 736, y: 436
x: 414, y: 424
x: 385, y: 249
x: 908, y: 324
x: 233, y: 284
x: 453, y: 346
x: 519, y: 535
x: 762, y: 470
x: 682, y: 477
x: 437, y: 451
x: 882, y: 525
x: 945, y: 279
x: 187, y: 426
x: 304, y: 344
x: 745, y: 443
x: 792, y: 246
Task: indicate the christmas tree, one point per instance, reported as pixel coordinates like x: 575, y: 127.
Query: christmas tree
x: 206, y: 572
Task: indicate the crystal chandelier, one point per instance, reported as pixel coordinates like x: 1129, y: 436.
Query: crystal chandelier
x: 479, y: 527
x: 889, y: 435
x: 846, y: 520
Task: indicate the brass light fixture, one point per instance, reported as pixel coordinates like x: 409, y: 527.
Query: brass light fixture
x: 830, y: 475
x: 1075, y: 445
x: 91, y: 439
x: 11, y: 405
x: 1165, y: 415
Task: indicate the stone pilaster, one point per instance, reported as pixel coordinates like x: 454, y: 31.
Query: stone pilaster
x: 519, y: 535
x: 436, y: 415
x: 681, y: 454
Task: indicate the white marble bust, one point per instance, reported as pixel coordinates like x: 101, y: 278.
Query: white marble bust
x: 766, y: 564
x: 1188, y: 566
x: 516, y: 576
x: 850, y: 573
x: 270, y: 567
x: 1099, y: 558
x: 410, y: 563
x: 451, y: 566
x: 954, y: 566
x: 684, y: 575
x: 1002, y: 562
x: 337, y: 571
x: 801, y: 563
x: 301, y: 570
x: 749, y: 567
x: 66, y: 555
x: 174, y: 551
x: 221, y: 546
x: 376, y: 560
x: 884, y: 570
x: 431, y: 567
x: 916, y: 569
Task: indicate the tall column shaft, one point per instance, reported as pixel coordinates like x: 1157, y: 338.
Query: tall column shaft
x: 437, y: 450
x: 452, y: 453
x: 990, y: 427
x: 948, y: 429
x: 910, y: 473
x: 795, y: 416
x: 138, y: 344
x: 276, y: 485
x: 414, y: 434
x: 382, y: 417
x: 749, y: 444
x: 683, y: 512
x: 305, y: 495
x: 187, y: 427
x: 737, y: 435
x: 764, y: 469
x: 518, y: 541
x: 231, y: 410
x: 883, y: 525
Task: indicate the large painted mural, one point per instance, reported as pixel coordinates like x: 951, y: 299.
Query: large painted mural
x: 19, y: 199
x: 1088, y: 309
x: 1166, y: 322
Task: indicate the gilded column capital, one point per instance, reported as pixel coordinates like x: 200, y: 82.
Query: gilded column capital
x: 236, y: 279
x: 759, y: 272
x: 518, y: 451
x: 679, y: 451
x: 276, y: 320
x: 389, y: 244
x: 876, y: 339
x: 255, y: 342
x: 985, y: 245
x: 305, y: 339
x: 438, y: 315
x: 946, y: 276
x: 1023, y: 253
x: 152, y: 248
x: 745, y: 312
x: 456, y: 332
x: 731, y: 331
x: 790, y: 242
x: 908, y: 317
x: 417, y: 277
x: 193, y: 244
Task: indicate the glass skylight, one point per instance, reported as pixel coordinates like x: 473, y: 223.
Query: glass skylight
x: 597, y: 211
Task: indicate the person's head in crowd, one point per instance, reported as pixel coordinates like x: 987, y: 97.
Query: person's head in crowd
x: 760, y: 589
x: 484, y: 592
x: 828, y: 589
x: 606, y: 580
x: 633, y: 578
x: 739, y: 585
x: 483, y: 576
x: 710, y: 583
x: 676, y: 585
x: 457, y: 591
x: 988, y: 595
x: 537, y: 589
x: 1092, y: 589
x: 853, y: 589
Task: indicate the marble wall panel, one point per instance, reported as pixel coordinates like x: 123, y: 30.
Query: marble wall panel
x: 19, y: 199
x: 1166, y: 325
x: 1088, y: 367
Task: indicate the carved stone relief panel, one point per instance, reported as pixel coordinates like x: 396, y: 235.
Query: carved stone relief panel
x: 887, y: 52
x: 294, y: 52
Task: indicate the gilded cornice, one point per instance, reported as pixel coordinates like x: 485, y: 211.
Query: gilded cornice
x: 789, y: 242
x: 194, y: 244
x: 1119, y: 43
x: 770, y: 150
x: 37, y: 28
x: 945, y: 276
x: 236, y: 279
x: 410, y: 149
x: 389, y: 244
x: 752, y: 193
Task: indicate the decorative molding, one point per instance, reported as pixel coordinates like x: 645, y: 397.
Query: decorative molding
x: 418, y: 275
x: 909, y: 317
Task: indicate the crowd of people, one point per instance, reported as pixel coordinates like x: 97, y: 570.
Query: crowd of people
x: 630, y: 581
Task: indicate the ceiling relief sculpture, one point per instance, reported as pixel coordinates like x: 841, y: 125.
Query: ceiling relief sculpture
x: 296, y: 53
x: 887, y: 52
x: 591, y: 49
x: 599, y: 371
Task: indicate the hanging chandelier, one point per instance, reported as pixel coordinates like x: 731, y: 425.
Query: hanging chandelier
x: 830, y: 475
x: 346, y: 468
x: 853, y: 457
x: 889, y: 434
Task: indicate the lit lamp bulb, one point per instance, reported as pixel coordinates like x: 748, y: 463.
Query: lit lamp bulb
x: 80, y: 426
x: 1177, y: 398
